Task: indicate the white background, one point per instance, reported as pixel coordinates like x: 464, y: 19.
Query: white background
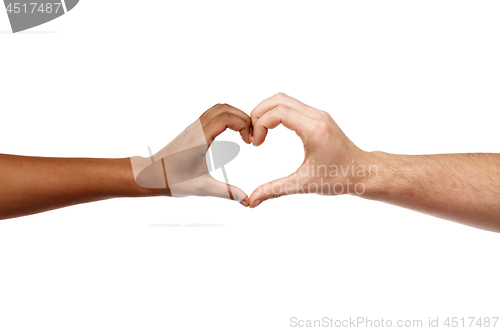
x: 112, y: 77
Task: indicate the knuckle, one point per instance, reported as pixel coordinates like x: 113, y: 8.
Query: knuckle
x: 215, y: 108
x: 274, y: 194
x: 322, y: 128
x: 248, y: 121
x: 253, y: 120
x: 325, y: 115
x: 225, y: 107
x: 275, y: 190
x: 281, y: 96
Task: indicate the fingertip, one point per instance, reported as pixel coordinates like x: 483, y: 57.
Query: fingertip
x: 239, y: 196
x: 259, y: 135
x: 245, y: 202
x: 245, y: 136
x: 257, y: 143
x: 256, y: 203
x: 254, y: 197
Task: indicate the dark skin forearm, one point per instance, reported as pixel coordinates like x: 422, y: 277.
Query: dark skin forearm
x: 31, y: 185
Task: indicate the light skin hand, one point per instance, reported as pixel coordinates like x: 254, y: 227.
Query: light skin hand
x: 464, y: 188
x: 328, y: 151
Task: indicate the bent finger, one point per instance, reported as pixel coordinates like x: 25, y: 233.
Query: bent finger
x: 220, y: 109
x: 283, y: 100
x: 224, y: 121
x: 290, y: 118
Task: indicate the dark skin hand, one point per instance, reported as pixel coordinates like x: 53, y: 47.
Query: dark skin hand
x: 30, y: 185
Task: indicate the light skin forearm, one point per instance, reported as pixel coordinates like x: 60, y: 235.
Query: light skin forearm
x: 461, y: 187
x: 36, y: 184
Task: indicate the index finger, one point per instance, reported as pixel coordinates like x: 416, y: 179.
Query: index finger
x: 220, y: 109
x: 290, y: 118
x: 283, y: 100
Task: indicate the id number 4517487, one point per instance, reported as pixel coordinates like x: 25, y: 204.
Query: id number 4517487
x: 34, y: 8
x: 485, y: 322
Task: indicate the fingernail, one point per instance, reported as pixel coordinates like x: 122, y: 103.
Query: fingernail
x: 244, y: 203
x: 256, y: 203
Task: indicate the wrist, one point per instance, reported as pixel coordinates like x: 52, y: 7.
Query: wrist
x: 134, y: 189
x: 371, y: 176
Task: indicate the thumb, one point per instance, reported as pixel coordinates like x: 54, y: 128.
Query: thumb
x: 275, y: 189
x: 227, y: 191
